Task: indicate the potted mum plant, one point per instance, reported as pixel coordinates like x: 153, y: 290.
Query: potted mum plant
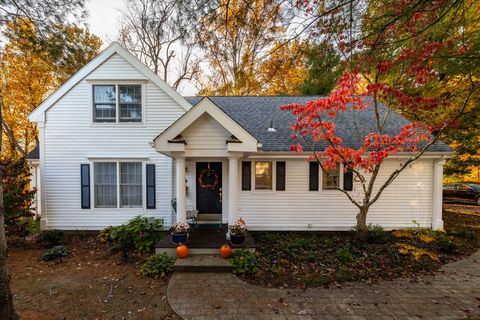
x: 180, y: 232
x: 237, y: 232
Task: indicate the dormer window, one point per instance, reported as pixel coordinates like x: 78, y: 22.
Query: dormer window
x: 117, y: 103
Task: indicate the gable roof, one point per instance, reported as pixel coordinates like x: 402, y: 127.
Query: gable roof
x: 38, y: 115
x: 34, y: 154
x: 242, y: 140
x: 255, y: 114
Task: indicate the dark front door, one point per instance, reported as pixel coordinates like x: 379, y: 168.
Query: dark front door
x: 209, y: 187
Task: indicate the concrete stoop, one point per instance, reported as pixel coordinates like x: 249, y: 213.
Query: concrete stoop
x: 202, y: 263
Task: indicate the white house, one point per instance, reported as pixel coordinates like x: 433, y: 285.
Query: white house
x: 115, y: 141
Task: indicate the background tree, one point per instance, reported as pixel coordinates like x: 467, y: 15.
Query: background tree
x: 159, y: 35
x: 42, y: 13
x: 234, y: 38
x: 283, y: 71
x: 31, y: 70
x: 388, y: 71
x: 324, y: 68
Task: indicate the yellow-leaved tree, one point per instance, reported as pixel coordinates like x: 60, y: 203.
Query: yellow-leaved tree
x: 30, y: 70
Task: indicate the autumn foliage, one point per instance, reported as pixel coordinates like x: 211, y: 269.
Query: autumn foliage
x: 385, y: 75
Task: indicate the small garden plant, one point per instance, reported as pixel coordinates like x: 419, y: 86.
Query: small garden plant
x: 55, y: 253
x: 237, y: 228
x: 158, y: 266
x: 244, y: 262
x: 180, y: 227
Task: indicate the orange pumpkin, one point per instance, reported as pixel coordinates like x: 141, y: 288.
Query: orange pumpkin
x: 225, y: 251
x: 182, y: 251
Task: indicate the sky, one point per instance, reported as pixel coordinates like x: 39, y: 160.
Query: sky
x: 103, y: 21
x: 103, y: 18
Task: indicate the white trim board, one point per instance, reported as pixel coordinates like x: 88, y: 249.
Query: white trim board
x: 38, y: 114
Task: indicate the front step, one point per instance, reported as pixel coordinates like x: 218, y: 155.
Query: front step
x: 202, y: 263
x: 210, y: 217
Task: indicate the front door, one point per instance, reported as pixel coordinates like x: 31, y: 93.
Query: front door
x: 209, y: 187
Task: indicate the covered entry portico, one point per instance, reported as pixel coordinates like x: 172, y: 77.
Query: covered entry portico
x: 207, y: 146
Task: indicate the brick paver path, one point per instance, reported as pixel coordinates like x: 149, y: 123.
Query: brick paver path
x: 453, y: 293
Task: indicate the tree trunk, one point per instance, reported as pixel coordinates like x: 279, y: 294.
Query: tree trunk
x: 362, y: 230
x: 7, y: 309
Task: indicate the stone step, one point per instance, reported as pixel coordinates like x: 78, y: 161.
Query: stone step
x: 210, y: 217
x: 202, y: 263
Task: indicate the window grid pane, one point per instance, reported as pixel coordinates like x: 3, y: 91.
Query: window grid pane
x: 331, y: 178
x: 105, y: 184
x: 130, y: 103
x: 104, y: 102
x: 131, y: 184
x: 263, y: 175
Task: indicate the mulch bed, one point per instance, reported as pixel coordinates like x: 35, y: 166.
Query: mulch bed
x: 310, y: 259
x: 88, y: 284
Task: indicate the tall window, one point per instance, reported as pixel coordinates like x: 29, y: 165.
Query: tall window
x: 105, y: 184
x: 263, y: 175
x: 104, y: 103
x: 130, y: 103
x: 126, y: 183
x: 117, y: 102
x: 331, y: 178
x: 131, y: 184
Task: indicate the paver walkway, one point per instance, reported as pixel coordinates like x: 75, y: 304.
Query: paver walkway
x: 453, y: 293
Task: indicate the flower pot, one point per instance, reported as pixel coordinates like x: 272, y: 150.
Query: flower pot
x: 237, y: 239
x: 179, y: 238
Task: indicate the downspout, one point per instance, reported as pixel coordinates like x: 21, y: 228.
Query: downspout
x: 437, y: 219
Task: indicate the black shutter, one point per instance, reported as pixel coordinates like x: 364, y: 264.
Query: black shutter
x: 348, y: 180
x: 313, y: 181
x: 246, y: 175
x: 85, y: 185
x: 280, y: 176
x: 151, y: 203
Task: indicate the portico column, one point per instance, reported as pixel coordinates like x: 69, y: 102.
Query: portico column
x: 437, y: 221
x: 181, y: 189
x: 232, y: 189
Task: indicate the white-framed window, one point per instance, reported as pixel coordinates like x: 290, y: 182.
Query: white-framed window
x: 263, y: 175
x: 117, y: 102
x: 331, y: 178
x: 118, y: 184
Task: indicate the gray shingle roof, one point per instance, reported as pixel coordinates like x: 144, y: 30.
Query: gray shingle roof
x: 255, y: 113
x: 34, y: 154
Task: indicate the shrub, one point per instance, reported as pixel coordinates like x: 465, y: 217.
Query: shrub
x: 344, y: 254
x: 244, y: 262
x: 140, y: 233
x: 33, y: 226
x: 376, y: 234
x: 105, y: 235
x: 445, y: 244
x: 53, y: 237
x: 55, y: 253
x: 17, y: 196
x: 158, y: 266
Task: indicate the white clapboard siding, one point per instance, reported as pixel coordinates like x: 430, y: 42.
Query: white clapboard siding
x: 115, y: 67
x: 71, y: 138
x: 206, y: 134
x: 407, y: 200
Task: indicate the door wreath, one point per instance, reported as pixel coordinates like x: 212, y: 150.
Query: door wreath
x: 204, y: 176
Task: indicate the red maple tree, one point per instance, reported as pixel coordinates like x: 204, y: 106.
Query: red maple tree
x: 380, y: 80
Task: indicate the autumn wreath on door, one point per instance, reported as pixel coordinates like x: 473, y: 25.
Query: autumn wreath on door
x: 208, y: 179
